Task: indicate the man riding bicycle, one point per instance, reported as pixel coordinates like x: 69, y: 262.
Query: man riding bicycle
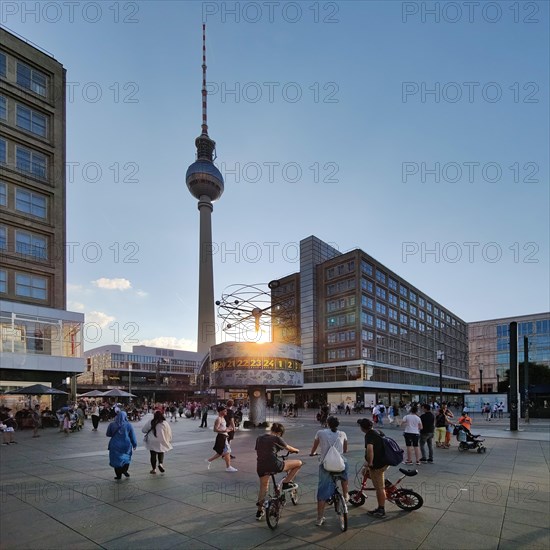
x: 268, y: 462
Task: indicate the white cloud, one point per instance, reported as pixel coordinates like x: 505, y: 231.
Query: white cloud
x: 142, y: 293
x: 102, y: 319
x: 170, y: 342
x: 113, y: 284
x: 75, y: 306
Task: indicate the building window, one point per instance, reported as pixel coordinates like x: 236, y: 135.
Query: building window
x: 403, y: 318
x: 392, y: 283
x: 367, y: 302
x: 3, y: 281
x: 380, y: 276
x: 367, y: 319
x: 3, y: 194
x: 367, y: 335
x: 3, y: 238
x: 421, y: 314
x: 393, y: 328
x: 404, y: 291
x: 392, y: 299
x: 3, y: 149
x: 2, y: 64
x: 412, y: 310
x: 380, y: 292
x: 32, y: 245
x: 429, y: 306
x: 32, y: 162
x: 31, y: 121
x: 366, y: 267
x: 31, y: 286
x: 421, y: 302
x: 380, y: 324
x: 3, y: 108
x: 392, y: 313
x: 413, y: 323
x: 31, y: 203
x: 412, y: 296
x: 429, y: 318
x: 31, y: 79
x: 380, y: 308
x: 366, y: 285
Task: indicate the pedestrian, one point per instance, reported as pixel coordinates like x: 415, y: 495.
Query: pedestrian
x: 204, y: 415
x: 325, y: 439
x: 501, y: 410
x: 396, y: 419
x: 449, y: 415
x: 123, y: 440
x: 67, y: 422
x: 440, y: 428
x: 268, y: 462
x: 221, y: 445
x: 7, y: 427
x: 375, y: 462
x: 381, y: 414
x: 465, y: 421
x: 427, y: 434
x: 412, y: 425
x: 158, y: 440
x: 230, y: 422
x: 95, y: 416
x: 36, y: 420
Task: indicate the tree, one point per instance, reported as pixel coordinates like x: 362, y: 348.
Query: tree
x: 538, y: 375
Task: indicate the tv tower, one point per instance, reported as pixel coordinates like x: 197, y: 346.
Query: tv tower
x: 205, y: 183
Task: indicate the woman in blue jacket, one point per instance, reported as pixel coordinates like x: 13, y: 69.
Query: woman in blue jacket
x: 123, y: 440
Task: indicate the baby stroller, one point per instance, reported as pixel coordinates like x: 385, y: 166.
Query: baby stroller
x: 468, y: 441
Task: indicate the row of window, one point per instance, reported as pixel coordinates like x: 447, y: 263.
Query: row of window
x: 25, y: 201
x: 26, y: 285
x: 27, y: 160
x: 26, y: 76
x: 26, y: 243
x: 25, y: 118
x: 382, y: 278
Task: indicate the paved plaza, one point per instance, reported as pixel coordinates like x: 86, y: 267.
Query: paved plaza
x: 58, y: 491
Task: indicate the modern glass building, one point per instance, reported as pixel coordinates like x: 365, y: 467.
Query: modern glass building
x: 489, y: 343
x: 157, y: 374
x: 366, y: 333
x: 40, y: 341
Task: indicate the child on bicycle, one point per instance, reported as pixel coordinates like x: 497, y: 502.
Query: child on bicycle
x: 267, y: 447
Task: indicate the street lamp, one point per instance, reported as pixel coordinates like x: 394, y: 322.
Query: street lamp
x: 481, y: 379
x: 440, y: 359
x: 130, y: 378
x: 498, y: 381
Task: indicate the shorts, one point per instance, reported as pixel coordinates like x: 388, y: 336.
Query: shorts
x: 273, y: 468
x: 219, y: 445
x: 411, y: 440
x: 325, y: 488
x: 377, y: 476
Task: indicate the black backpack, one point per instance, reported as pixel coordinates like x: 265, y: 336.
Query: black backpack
x: 382, y: 409
x: 392, y: 451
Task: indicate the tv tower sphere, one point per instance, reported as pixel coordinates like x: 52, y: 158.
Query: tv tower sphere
x: 204, y: 179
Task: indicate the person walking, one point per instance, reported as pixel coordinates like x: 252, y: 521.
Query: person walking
x: 221, y: 445
x: 412, y: 425
x: 95, y: 416
x: 325, y: 439
x: 267, y: 446
x: 427, y: 434
x: 123, y: 441
x: 230, y: 422
x: 440, y: 428
x: 36, y: 420
x: 158, y: 440
x: 375, y: 461
x: 204, y: 415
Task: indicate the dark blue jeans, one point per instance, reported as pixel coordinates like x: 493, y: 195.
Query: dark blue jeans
x: 427, y: 438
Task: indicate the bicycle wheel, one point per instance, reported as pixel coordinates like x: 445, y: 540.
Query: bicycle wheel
x: 341, y: 511
x: 407, y: 499
x: 294, y: 496
x: 273, y: 513
x: 356, y: 498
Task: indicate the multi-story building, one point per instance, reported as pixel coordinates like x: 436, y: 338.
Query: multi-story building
x: 157, y: 374
x: 367, y: 334
x: 489, y: 343
x: 40, y: 340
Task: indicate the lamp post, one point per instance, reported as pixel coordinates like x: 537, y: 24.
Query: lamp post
x: 481, y: 379
x: 130, y: 378
x: 440, y: 359
x: 498, y: 381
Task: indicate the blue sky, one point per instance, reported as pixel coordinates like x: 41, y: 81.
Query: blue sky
x: 345, y: 115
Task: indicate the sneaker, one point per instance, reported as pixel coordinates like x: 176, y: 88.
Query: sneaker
x: 289, y: 485
x: 208, y: 463
x: 153, y: 472
x: 424, y: 460
x: 161, y: 468
x: 430, y: 461
x: 260, y: 514
x: 232, y: 457
x: 407, y: 462
x: 320, y: 522
x: 231, y: 469
x: 377, y: 513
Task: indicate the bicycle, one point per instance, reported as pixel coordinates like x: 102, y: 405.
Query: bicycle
x: 340, y: 505
x: 406, y: 499
x: 274, y: 504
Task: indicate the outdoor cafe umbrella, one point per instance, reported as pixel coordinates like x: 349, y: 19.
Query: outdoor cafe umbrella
x: 93, y: 393
x: 117, y: 393
x: 36, y: 389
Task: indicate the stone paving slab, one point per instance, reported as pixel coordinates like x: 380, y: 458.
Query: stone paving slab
x: 58, y: 491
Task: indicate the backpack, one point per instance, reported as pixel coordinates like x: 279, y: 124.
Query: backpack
x: 382, y: 409
x: 333, y: 461
x: 393, y: 452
